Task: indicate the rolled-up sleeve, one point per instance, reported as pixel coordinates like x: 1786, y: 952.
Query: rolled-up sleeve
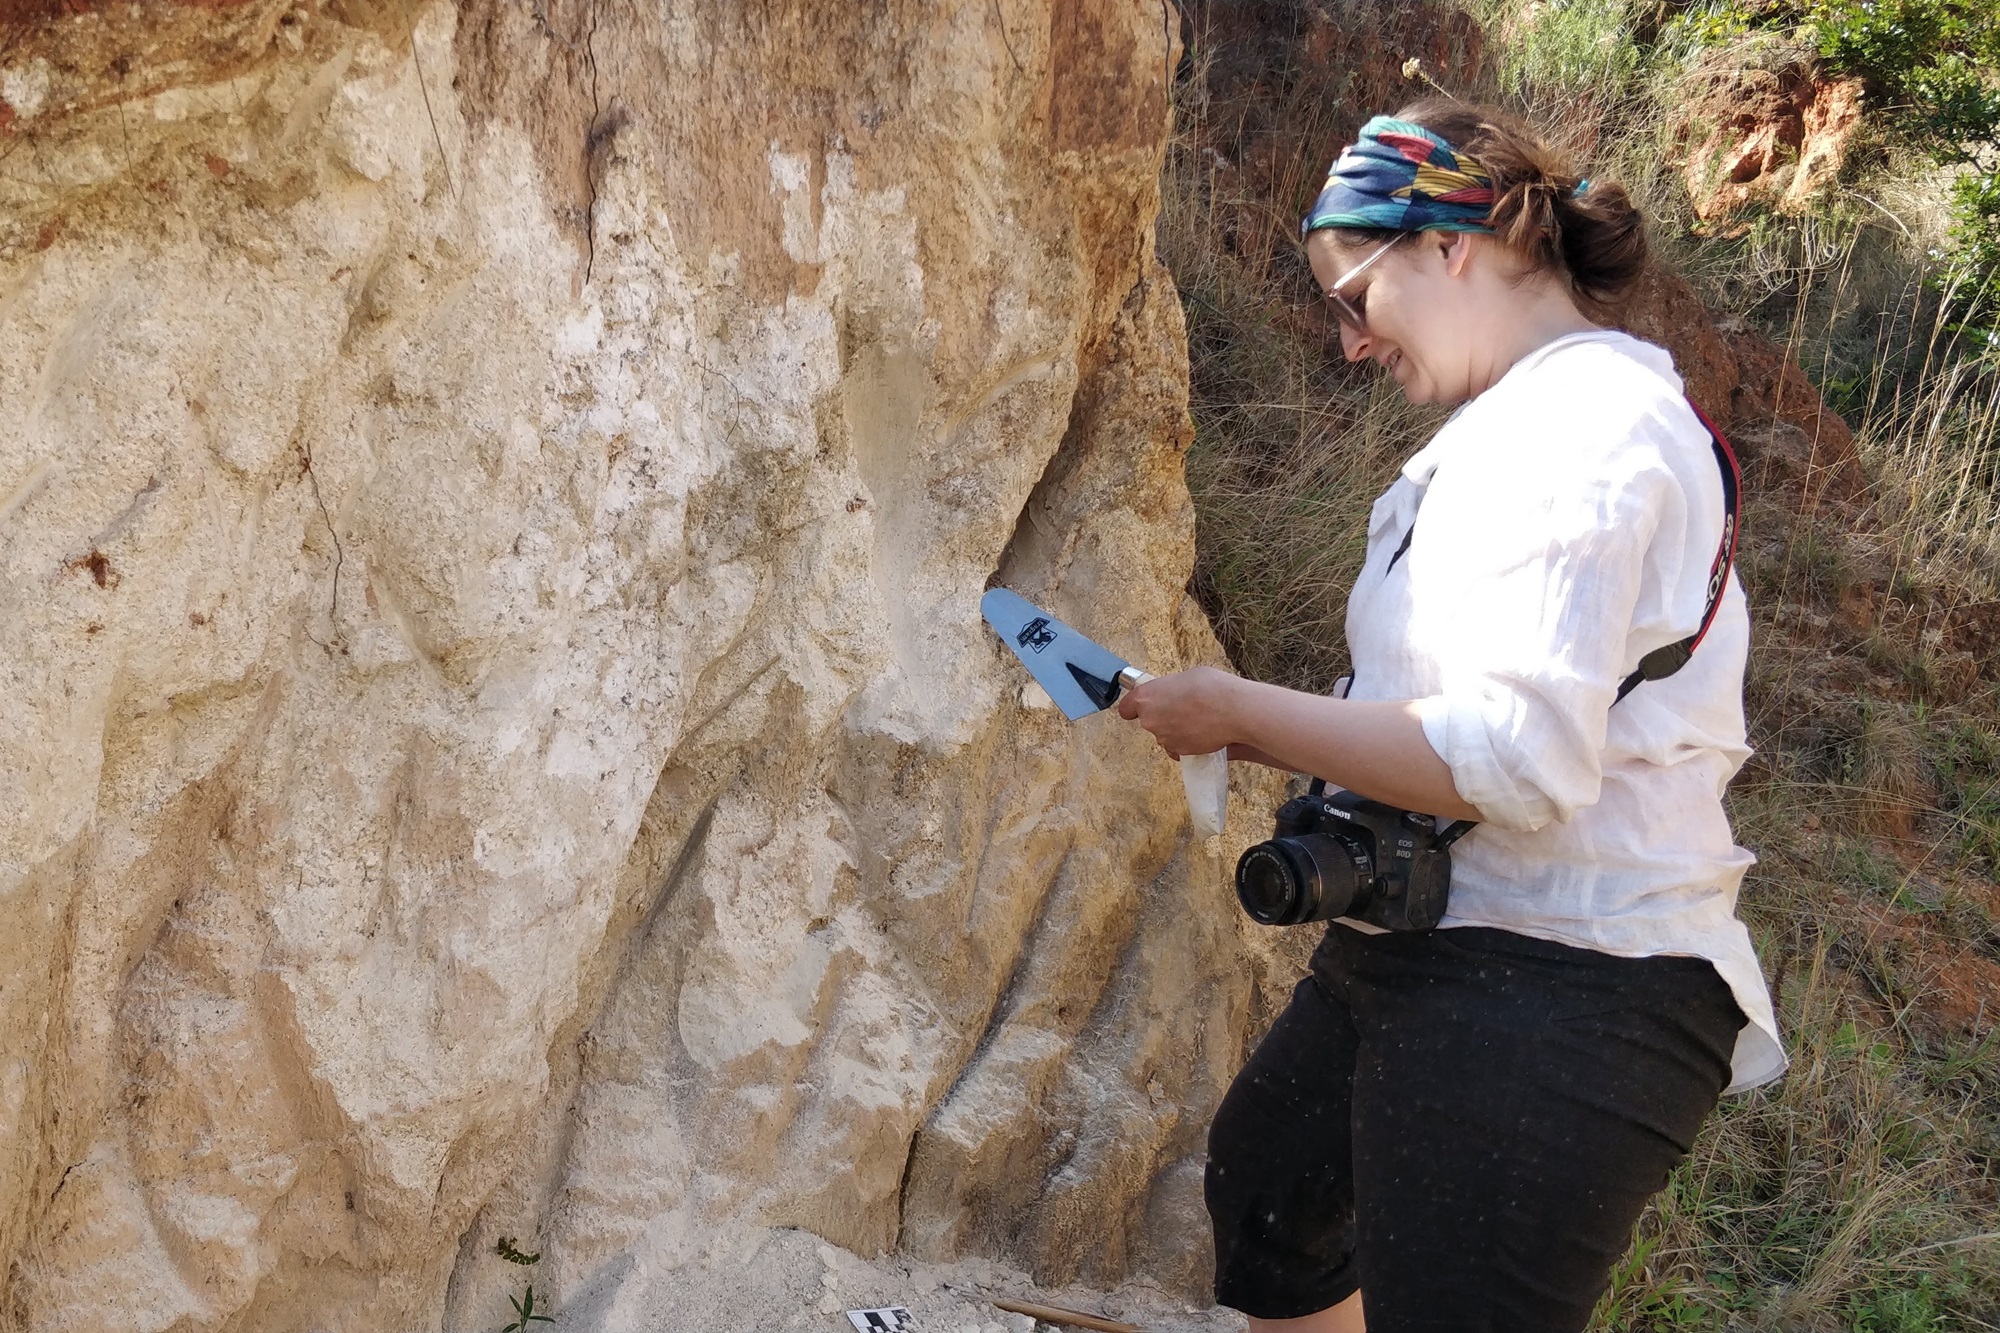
x: 1523, y: 593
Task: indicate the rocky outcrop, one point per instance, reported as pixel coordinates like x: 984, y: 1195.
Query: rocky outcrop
x: 500, y: 739
x: 1769, y: 137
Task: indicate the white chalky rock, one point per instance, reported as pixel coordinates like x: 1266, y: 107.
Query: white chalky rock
x: 499, y: 738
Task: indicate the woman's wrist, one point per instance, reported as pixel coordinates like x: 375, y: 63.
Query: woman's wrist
x: 1228, y: 708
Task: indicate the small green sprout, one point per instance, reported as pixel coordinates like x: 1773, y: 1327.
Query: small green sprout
x: 524, y: 1310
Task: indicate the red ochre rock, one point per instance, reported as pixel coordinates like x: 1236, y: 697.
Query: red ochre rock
x: 60, y: 57
x: 1775, y: 138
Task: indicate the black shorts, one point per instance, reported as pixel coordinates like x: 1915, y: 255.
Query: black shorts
x: 1462, y: 1125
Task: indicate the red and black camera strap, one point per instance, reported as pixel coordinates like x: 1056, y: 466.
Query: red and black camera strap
x: 1664, y: 662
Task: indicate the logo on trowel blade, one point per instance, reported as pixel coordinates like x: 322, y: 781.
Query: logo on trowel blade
x: 1036, y: 634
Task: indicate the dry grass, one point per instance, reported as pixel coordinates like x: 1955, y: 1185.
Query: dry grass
x: 1863, y: 1191
x: 1292, y: 445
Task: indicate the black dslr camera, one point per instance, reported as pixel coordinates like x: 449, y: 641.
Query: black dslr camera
x: 1339, y: 854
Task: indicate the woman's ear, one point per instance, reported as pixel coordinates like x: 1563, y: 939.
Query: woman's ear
x: 1457, y: 251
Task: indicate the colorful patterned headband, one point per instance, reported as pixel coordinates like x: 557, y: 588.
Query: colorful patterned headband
x: 1402, y: 177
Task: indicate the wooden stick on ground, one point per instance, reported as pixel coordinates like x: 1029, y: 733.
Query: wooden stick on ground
x: 1055, y: 1314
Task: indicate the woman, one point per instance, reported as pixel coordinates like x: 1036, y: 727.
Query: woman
x: 1458, y: 1130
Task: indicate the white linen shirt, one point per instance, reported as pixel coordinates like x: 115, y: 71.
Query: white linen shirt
x: 1570, y: 518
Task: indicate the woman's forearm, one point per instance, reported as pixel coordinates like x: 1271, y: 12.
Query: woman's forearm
x: 1251, y: 754
x: 1376, y: 749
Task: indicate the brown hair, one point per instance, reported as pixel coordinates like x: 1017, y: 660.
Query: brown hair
x: 1593, y: 237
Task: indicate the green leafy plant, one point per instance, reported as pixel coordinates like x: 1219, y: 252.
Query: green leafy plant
x: 1929, y: 70
x: 524, y: 1312
x: 1929, y: 65
x: 1637, y: 1299
x: 1974, y: 272
x: 1911, y: 1309
x: 1926, y: 60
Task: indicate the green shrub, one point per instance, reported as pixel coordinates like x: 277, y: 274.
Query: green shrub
x: 1925, y: 60
x: 1973, y: 269
x: 1929, y: 64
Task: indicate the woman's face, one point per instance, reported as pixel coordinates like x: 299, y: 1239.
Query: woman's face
x: 1415, y: 302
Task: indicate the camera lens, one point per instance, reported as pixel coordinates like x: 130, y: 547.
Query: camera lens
x: 1268, y: 884
x: 1312, y: 877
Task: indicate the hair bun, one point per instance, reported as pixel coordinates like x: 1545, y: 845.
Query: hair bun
x: 1561, y: 222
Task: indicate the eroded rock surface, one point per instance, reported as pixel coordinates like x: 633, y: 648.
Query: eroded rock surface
x: 1774, y: 138
x: 498, y: 735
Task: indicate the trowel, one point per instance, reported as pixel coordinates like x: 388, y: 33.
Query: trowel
x: 1082, y: 678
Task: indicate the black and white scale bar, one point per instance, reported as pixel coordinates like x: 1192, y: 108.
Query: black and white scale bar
x: 888, y: 1319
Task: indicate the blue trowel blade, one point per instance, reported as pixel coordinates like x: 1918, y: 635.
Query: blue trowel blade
x: 1080, y: 676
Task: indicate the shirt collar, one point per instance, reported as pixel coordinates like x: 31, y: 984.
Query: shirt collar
x: 1421, y: 465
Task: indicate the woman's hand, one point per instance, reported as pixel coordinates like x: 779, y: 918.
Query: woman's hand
x: 1187, y: 712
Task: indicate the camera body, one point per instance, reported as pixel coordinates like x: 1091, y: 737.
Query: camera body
x: 1338, y: 854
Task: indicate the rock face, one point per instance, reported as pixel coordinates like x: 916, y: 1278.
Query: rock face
x: 498, y: 735
x: 1769, y: 137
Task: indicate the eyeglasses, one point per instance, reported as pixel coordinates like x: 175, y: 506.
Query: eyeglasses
x: 1351, y: 313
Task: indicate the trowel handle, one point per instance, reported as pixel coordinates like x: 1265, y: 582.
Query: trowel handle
x: 1204, y: 777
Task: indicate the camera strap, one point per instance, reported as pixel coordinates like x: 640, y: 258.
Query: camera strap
x: 1664, y: 662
